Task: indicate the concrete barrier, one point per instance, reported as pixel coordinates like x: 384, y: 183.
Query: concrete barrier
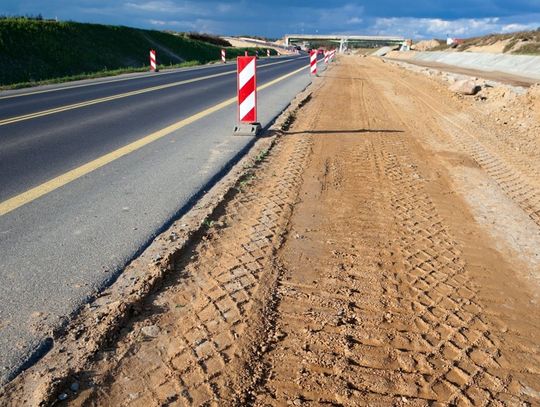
x: 381, y: 52
x: 522, y: 65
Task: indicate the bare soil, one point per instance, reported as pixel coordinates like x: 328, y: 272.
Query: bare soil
x: 521, y: 42
x: 386, y: 251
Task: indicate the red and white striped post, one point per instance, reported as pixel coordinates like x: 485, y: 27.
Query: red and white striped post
x: 247, y: 89
x: 153, y: 64
x: 223, y: 56
x: 332, y: 54
x: 313, y: 61
x: 268, y: 53
x: 247, y: 97
x: 326, y: 57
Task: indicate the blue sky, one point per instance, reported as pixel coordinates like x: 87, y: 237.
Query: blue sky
x: 410, y: 18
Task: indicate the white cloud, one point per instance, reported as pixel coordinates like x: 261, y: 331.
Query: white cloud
x: 354, y: 20
x: 153, y: 6
x: 167, y: 7
x: 347, y: 14
x: 159, y: 22
x: 224, y: 7
x: 519, y: 27
x: 439, y: 28
x: 277, y: 18
x: 200, y: 25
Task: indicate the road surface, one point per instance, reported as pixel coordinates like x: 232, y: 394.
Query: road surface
x: 91, y: 172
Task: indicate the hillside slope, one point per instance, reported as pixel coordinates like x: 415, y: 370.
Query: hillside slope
x: 520, y: 43
x: 33, y: 50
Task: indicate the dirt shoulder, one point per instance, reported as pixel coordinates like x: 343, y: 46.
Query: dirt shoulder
x: 382, y: 252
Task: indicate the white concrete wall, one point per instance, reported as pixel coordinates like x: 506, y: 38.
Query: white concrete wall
x: 522, y: 65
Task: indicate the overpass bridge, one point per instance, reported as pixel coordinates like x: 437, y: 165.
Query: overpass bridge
x: 362, y: 41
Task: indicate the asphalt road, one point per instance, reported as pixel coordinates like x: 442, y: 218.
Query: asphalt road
x: 59, y: 248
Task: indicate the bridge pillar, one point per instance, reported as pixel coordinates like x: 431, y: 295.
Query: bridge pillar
x: 342, y: 45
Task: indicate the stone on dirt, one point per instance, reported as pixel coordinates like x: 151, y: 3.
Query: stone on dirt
x: 152, y: 331
x: 465, y: 87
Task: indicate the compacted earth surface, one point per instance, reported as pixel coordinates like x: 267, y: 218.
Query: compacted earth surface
x: 384, y: 251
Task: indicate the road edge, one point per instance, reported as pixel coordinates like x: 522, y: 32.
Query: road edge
x: 71, y: 348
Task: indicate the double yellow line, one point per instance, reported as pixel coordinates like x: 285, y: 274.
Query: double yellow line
x: 115, y: 97
x: 55, y: 183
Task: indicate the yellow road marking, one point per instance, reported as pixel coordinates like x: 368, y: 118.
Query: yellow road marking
x: 119, y: 96
x: 102, y: 82
x: 55, y: 183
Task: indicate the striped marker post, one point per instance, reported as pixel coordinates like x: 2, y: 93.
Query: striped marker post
x: 247, y: 89
x: 313, y: 62
x: 268, y: 53
x: 223, y: 56
x: 326, y: 57
x: 153, y: 64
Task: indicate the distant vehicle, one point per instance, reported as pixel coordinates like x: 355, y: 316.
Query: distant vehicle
x: 298, y: 48
x: 320, y: 51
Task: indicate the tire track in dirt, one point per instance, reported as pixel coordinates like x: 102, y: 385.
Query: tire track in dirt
x: 444, y: 326
x: 386, y: 312
x: 197, y: 356
x: 519, y: 184
x: 512, y: 367
x: 334, y: 277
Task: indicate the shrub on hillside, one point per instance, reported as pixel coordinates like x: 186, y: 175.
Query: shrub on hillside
x: 209, y: 38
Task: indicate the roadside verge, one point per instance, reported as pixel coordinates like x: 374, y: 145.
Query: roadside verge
x: 101, y: 320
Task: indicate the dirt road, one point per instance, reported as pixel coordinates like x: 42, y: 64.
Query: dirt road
x: 385, y: 252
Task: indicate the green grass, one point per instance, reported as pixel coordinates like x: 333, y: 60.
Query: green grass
x: 245, y: 180
x: 38, y: 52
x: 208, y: 223
x: 92, y: 75
x: 531, y: 39
x: 529, y: 49
x: 261, y: 156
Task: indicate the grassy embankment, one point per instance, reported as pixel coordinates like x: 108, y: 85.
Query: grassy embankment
x: 518, y: 43
x: 40, y: 52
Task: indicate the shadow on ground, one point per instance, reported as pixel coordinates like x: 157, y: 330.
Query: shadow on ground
x: 343, y: 131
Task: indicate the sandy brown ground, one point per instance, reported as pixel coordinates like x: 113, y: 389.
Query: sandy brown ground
x: 238, y: 43
x: 385, y: 252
